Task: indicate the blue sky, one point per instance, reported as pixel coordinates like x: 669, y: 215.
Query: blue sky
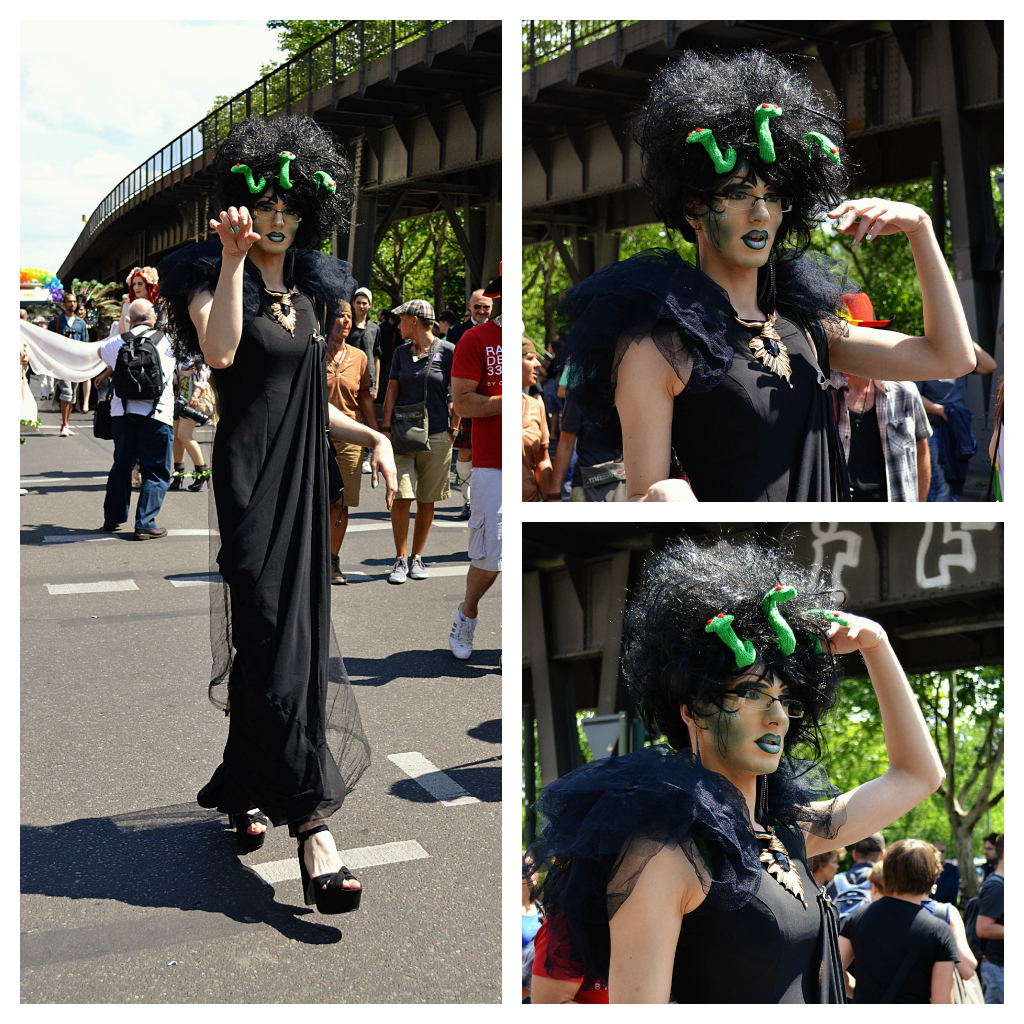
x: 84, y: 126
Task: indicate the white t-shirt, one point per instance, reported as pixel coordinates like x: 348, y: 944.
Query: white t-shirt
x: 164, y: 411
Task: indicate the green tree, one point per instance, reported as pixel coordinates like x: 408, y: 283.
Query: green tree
x: 419, y: 258
x: 967, y: 729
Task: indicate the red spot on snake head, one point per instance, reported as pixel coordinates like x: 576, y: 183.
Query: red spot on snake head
x: 721, y: 615
x: 778, y: 588
x: 764, y: 105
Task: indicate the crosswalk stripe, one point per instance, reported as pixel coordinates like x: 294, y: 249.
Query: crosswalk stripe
x: 28, y: 481
x: 100, y: 587
x: 74, y: 538
x: 440, y: 786
x: 361, y: 857
x: 200, y: 579
x: 372, y: 526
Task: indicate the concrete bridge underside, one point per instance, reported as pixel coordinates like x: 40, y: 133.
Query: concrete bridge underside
x: 422, y: 128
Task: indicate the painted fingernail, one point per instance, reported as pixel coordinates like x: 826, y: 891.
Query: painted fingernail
x: 867, y: 238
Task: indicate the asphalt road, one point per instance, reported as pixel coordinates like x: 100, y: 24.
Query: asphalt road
x: 131, y: 893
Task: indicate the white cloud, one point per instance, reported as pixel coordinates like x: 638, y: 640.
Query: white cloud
x: 99, y: 97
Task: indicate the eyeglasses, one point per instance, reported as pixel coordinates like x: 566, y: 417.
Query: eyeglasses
x: 268, y: 211
x: 758, y: 700
x: 745, y: 201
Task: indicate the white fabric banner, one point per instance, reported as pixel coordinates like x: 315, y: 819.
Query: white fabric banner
x: 53, y: 355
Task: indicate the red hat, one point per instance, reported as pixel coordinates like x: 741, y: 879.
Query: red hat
x: 493, y: 290
x: 862, y: 313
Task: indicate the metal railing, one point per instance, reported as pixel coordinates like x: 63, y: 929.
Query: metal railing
x: 545, y: 40
x: 343, y: 52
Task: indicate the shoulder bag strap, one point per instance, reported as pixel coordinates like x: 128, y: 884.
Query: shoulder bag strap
x: 426, y: 377
x: 908, y: 961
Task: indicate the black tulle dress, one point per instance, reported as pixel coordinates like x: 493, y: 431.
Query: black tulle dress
x: 739, y: 431
x: 295, y: 742
x: 750, y: 940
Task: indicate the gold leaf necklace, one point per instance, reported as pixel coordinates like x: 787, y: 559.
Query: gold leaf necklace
x: 775, y: 858
x: 283, y: 310
x: 769, y: 347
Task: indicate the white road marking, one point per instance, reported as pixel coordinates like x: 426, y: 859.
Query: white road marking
x: 200, y: 579
x: 440, y: 786
x: 372, y: 526
x: 100, y: 587
x: 29, y: 481
x: 74, y: 538
x: 357, y: 859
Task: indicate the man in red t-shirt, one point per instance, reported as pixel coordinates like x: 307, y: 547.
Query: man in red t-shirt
x: 476, y: 393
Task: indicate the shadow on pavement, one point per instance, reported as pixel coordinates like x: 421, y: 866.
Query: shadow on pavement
x: 428, y: 560
x: 34, y: 534
x: 488, y: 732
x: 483, y: 783
x: 422, y: 665
x: 180, y: 857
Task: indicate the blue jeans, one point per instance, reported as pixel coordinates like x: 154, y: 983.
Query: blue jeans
x: 147, y: 441
x: 992, y: 978
x: 939, y: 489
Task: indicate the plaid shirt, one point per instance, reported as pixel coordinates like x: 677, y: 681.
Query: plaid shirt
x: 902, y: 422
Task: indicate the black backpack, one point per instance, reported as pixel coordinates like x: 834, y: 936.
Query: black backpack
x: 976, y: 944
x: 138, y: 375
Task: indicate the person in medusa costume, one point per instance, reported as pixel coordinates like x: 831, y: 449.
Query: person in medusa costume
x: 257, y: 302
x: 728, y: 362
x: 669, y: 862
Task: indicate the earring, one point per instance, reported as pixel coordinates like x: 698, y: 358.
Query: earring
x: 696, y: 736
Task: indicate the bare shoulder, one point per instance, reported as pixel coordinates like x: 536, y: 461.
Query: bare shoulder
x: 643, y: 364
x: 672, y: 877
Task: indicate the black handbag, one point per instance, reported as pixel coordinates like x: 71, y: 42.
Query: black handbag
x: 101, y: 425
x: 410, y: 425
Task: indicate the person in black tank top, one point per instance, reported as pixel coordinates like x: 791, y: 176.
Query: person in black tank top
x: 726, y: 365
x: 678, y: 859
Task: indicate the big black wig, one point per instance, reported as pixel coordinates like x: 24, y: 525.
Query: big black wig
x: 257, y: 143
x: 669, y: 659
x: 313, y: 162
x: 721, y: 92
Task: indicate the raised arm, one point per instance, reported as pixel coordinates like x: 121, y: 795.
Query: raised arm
x: 644, y: 393
x: 945, y: 349
x: 218, y: 316
x: 914, y: 772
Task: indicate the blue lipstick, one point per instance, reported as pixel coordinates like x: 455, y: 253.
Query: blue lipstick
x: 755, y: 239
x: 275, y: 236
x: 770, y: 743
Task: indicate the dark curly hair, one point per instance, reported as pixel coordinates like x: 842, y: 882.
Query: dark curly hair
x: 721, y: 92
x: 257, y: 143
x: 670, y: 660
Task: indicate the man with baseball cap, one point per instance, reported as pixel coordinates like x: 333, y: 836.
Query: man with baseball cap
x: 365, y: 334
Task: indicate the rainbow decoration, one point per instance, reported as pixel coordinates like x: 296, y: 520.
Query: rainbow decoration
x: 33, y: 277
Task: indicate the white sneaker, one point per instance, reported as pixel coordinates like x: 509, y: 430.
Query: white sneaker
x: 400, y: 572
x: 417, y: 571
x: 366, y: 466
x: 460, y: 640
x: 65, y: 431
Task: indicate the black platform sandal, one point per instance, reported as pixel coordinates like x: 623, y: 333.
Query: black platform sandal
x: 177, y: 477
x: 201, y: 475
x: 249, y: 841
x: 326, y: 891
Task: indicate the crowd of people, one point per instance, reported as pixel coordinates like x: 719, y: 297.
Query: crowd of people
x: 721, y: 843
x: 260, y: 330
